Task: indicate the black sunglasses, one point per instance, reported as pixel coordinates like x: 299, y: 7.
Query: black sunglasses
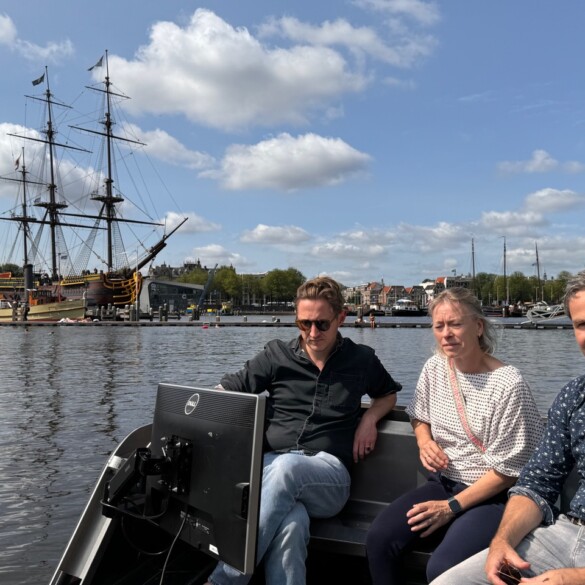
x: 321, y: 324
x: 509, y: 574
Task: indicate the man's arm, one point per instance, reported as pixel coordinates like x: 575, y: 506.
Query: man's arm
x: 521, y: 516
x: 366, y: 434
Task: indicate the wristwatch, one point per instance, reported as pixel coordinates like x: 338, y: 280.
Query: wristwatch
x: 455, y: 506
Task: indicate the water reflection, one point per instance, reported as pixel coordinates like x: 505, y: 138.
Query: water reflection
x: 69, y: 395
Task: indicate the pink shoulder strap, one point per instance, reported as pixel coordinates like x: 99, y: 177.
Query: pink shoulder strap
x: 461, y: 407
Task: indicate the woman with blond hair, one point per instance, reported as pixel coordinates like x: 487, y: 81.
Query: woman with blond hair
x: 476, y: 425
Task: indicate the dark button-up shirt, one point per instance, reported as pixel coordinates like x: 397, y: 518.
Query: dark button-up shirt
x: 309, y: 409
x: 561, y: 448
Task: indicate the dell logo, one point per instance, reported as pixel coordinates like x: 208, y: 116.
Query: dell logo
x: 191, y: 404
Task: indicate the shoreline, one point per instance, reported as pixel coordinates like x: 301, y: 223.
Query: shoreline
x: 220, y: 324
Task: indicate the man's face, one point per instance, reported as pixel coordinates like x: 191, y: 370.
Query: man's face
x: 320, y: 314
x: 577, y: 309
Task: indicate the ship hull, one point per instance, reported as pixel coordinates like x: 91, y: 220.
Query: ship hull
x: 70, y: 309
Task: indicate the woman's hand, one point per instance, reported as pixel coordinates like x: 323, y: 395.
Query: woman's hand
x: 432, y: 456
x: 429, y: 516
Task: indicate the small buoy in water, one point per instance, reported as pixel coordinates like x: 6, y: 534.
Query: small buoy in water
x: 205, y: 327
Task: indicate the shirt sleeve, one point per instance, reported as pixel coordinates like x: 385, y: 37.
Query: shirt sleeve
x: 254, y: 377
x: 419, y: 406
x: 516, y: 427
x: 553, y: 460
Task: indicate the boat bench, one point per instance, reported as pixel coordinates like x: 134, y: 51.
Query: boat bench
x: 392, y: 469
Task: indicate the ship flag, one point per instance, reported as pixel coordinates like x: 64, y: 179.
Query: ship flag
x: 39, y: 80
x: 17, y: 163
x: 98, y: 64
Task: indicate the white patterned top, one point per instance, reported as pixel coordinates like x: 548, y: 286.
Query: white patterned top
x: 500, y: 410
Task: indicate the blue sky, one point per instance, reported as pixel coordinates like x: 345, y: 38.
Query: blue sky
x: 365, y: 139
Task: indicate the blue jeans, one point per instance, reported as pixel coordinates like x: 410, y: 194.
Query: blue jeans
x: 560, y: 545
x: 295, y: 487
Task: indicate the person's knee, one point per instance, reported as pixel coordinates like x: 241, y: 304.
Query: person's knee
x: 379, y: 540
x: 282, y: 471
x: 436, y: 566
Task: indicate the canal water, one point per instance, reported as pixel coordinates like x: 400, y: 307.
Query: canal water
x: 69, y: 395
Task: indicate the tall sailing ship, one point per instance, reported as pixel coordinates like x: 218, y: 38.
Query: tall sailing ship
x: 61, y: 224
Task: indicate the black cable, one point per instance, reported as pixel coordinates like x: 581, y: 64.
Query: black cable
x: 162, y: 575
x: 137, y: 516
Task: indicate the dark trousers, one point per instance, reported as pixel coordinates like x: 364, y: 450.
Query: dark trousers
x: 466, y: 535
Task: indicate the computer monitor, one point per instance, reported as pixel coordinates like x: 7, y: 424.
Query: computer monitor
x: 211, y: 490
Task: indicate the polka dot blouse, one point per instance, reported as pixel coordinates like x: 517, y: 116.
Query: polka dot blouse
x: 500, y: 410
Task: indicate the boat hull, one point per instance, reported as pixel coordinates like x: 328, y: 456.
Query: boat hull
x: 408, y: 312
x: 98, y: 290
x: 69, y: 309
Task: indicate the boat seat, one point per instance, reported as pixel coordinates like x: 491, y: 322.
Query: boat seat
x: 391, y: 470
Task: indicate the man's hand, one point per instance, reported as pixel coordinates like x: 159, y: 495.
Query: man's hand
x: 366, y: 433
x: 500, y: 553
x: 365, y: 438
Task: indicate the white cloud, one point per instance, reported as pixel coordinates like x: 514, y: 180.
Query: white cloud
x: 165, y: 147
x: 265, y: 234
x: 403, y: 50
x: 221, y: 76
x: 216, y: 254
x: 425, y: 239
x: 71, y: 177
x: 553, y: 201
x: 289, y: 163
x: 8, y: 33
x: 424, y: 13
x: 513, y: 223
x: 345, y: 250
x: 541, y: 162
x: 195, y: 224
x: 573, y: 166
x: 52, y: 52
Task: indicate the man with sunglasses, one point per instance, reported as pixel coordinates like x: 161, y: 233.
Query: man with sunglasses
x: 534, y: 543
x: 315, y: 383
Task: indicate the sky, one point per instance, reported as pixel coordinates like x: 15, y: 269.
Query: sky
x: 365, y: 139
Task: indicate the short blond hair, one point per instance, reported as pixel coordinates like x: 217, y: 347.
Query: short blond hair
x: 322, y: 287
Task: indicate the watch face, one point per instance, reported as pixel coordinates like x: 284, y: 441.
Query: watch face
x: 454, y: 505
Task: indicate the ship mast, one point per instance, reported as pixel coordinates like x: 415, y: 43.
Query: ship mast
x: 24, y: 219
x: 473, y: 267
x: 52, y: 206
x: 506, y: 291
x: 538, y: 273
x: 109, y: 198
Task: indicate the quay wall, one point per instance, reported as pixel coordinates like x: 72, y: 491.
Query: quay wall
x: 220, y: 324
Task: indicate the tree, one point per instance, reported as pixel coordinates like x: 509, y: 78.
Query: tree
x: 280, y: 286
x: 227, y: 282
x: 13, y: 268
x: 196, y: 276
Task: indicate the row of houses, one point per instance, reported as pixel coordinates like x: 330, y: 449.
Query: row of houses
x: 379, y: 296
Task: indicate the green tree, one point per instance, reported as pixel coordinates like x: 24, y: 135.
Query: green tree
x: 227, y: 282
x: 13, y: 268
x: 196, y: 276
x: 521, y: 289
x: 280, y: 286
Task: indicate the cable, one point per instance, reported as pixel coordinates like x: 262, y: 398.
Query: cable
x: 162, y: 575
